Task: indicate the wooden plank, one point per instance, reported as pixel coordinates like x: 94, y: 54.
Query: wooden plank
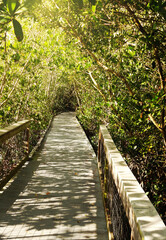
x: 12, y: 130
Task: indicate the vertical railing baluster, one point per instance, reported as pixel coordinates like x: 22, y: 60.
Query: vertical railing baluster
x: 27, y: 140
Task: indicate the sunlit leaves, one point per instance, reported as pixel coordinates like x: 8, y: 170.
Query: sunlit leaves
x: 158, y: 6
x: 12, y: 6
x: 93, y: 8
x: 8, y: 13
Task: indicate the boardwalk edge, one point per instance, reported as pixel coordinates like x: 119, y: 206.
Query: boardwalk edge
x: 144, y: 220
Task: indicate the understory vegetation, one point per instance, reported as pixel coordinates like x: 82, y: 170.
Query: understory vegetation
x: 103, y: 59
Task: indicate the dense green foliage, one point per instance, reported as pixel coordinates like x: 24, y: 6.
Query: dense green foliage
x: 105, y: 58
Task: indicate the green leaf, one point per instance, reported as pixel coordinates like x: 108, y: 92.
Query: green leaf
x: 18, y: 30
x: 93, y: 8
x: 131, y: 53
x: 95, y: 18
x: 4, y: 20
x: 12, y: 6
x: 131, y: 47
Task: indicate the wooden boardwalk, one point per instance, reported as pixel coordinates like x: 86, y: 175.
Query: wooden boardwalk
x: 57, y: 195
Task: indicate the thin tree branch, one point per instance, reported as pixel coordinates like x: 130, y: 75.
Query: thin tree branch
x: 96, y: 86
x: 105, y: 68
x: 155, y: 123
x: 12, y: 90
x: 155, y: 47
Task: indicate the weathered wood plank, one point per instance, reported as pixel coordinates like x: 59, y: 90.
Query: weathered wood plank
x: 12, y: 130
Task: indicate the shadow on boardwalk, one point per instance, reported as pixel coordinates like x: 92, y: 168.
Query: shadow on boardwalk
x: 57, y: 195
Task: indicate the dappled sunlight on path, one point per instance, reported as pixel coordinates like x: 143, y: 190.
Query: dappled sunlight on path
x: 57, y: 195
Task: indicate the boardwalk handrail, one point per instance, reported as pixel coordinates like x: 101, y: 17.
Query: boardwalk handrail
x: 144, y: 221
x: 9, y: 132
x: 13, y: 129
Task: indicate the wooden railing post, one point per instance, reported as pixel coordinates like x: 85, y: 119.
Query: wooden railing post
x: 99, y: 147
x: 27, y: 140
